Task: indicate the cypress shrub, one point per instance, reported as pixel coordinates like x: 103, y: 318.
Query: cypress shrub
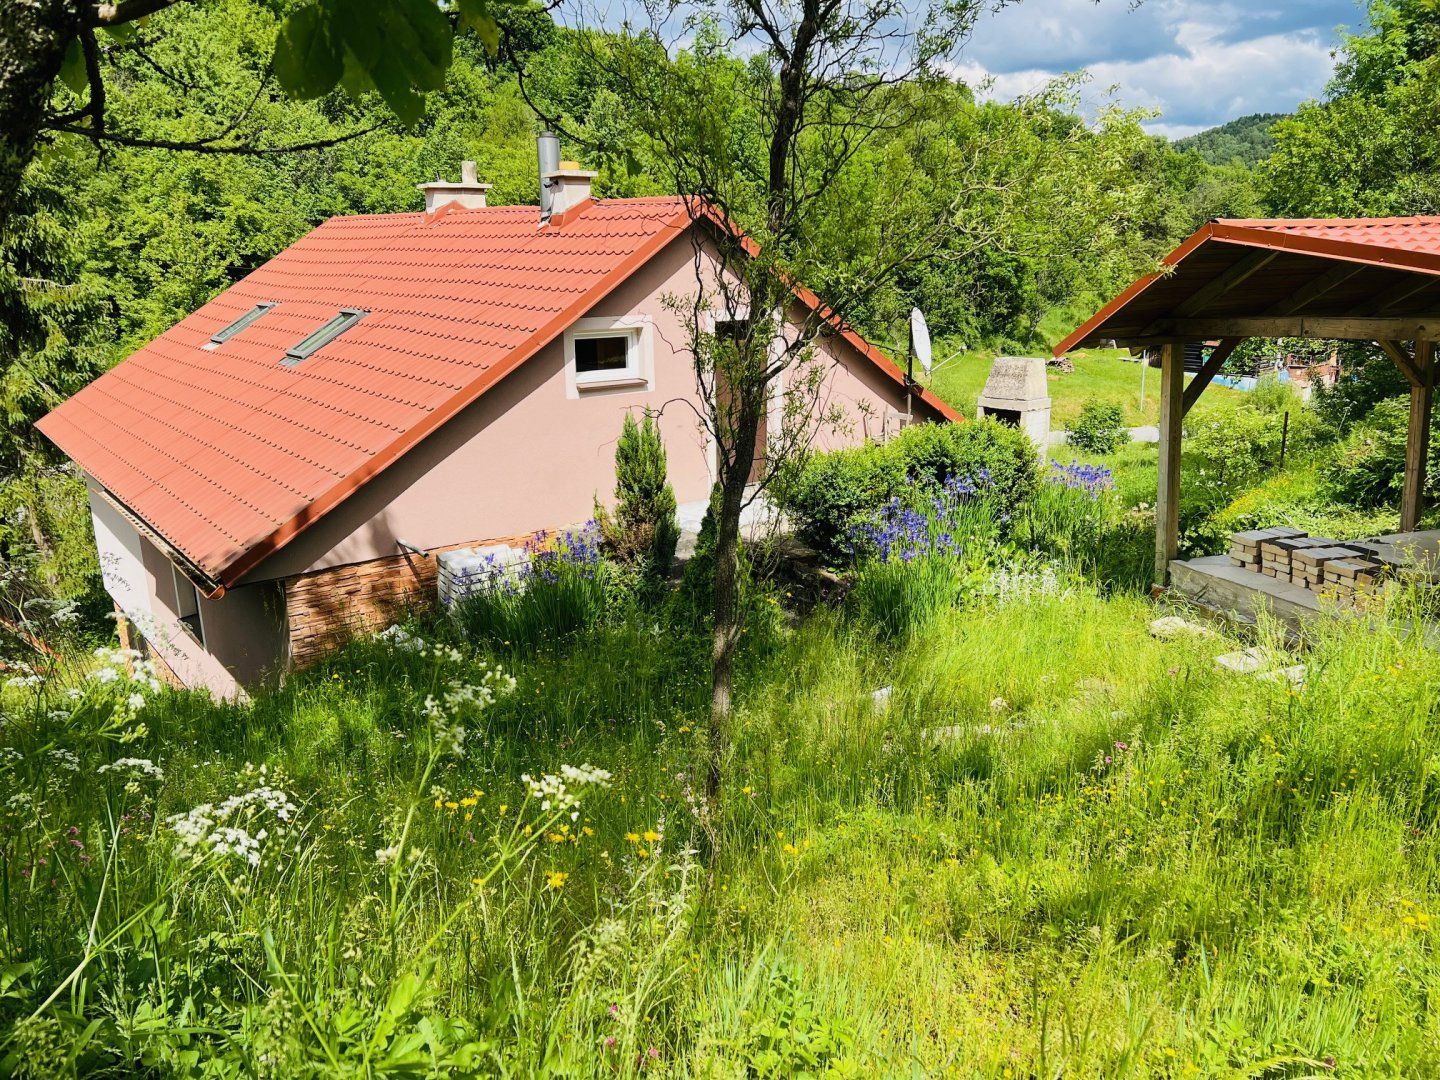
x: 643, y: 526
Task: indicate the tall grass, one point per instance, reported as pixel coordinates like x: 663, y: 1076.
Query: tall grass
x: 1056, y: 846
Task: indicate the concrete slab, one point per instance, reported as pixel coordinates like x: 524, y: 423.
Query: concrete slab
x: 758, y: 520
x: 1216, y: 583
x: 1169, y: 627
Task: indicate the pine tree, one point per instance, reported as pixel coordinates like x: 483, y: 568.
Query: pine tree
x: 643, y: 526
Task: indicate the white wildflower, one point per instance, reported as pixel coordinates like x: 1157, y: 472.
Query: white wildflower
x: 448, y: 712
x: 135, y: 702
x: 387, y: 855
x: 218, y: 830
x: 134, y: 767
x: 22, y: 802
x: 65, y: 759
x: 556, y: 791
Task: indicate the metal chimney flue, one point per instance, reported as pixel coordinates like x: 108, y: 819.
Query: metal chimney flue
x: 548, y: 151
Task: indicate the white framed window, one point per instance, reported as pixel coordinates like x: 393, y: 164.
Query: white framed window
x: 187, y: 604
x: 608, y: 353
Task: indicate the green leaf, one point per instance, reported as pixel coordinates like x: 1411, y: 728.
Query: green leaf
x: 476, y: 15
x: 394, y: 47
x: 397, y: 42
x: 123, y: 33
x: 308, y: 61
x: 72, y: 68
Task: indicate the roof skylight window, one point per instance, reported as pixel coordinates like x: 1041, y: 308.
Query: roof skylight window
x: 318, y: 339
x: 222, y: 336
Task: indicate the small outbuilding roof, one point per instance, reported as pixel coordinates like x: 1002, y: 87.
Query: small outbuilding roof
x: 227, y: 449
x: 1319, y: 277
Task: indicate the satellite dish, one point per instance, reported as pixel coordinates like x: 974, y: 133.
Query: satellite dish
x: 920, y: 340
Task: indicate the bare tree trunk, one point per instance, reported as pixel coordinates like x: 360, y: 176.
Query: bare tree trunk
x: 34, y: 35
x: 727, y: 610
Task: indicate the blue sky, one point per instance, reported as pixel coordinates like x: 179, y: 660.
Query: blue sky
x: 1198, y: 62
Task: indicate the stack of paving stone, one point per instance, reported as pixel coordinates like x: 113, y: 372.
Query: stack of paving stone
x: 1277, y: 555
x: 1314, y: 562
x: 1312, y: 566
x: 1345, y: 578
x: 1245, y: 546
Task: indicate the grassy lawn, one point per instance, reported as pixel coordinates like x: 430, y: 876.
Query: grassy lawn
x: 1104, y: 375
x: 1061, y: 847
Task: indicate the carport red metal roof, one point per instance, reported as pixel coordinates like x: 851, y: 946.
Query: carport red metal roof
x: 1258, y: 277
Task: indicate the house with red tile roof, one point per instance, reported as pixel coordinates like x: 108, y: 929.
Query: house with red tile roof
x: 280, y: 468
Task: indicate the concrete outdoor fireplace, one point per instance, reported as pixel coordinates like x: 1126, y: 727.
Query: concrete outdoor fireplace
x: 1016, y: 394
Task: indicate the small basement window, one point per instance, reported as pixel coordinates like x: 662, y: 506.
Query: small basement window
x: 224, y: 335
x: 187, y: 605
x: 595, y: 355
x: 606, y: 357
x: 318, y: 339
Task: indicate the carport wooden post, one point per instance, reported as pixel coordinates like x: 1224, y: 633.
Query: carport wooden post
x: 1167, y: 494
x: 1417, y: 438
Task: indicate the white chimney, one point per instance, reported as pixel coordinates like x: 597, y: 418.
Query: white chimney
x: 569, y: 185
x: 469, y: 193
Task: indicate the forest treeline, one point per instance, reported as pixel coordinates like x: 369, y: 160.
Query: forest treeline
x: 1052, y: 211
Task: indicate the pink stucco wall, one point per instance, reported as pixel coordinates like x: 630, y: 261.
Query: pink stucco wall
x: 243, y: 630
x: 533, y: 452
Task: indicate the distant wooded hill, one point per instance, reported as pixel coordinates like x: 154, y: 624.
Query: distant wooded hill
x: 1246, y: 140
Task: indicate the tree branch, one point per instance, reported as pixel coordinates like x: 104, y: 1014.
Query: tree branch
x: 202, y: 147
x: 125, y: 11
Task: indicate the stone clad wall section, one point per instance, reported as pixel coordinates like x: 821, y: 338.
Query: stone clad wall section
x: 326, y: 608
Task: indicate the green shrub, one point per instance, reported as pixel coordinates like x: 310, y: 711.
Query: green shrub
x: 832, y: 493
x: 1367, y: 377
x: 992, y: 455
x: 1271, y: 395
x: 1099, y: 429
x: 643, y: 527
x: 1229, y: 447
x: 1367, y: 469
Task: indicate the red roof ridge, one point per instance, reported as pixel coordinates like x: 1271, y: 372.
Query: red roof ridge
x: 1354, y: 222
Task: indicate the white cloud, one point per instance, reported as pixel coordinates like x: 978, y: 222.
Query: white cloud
x: 1196, y: 63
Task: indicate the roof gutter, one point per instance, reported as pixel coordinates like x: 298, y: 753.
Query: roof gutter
x: 208, y: 586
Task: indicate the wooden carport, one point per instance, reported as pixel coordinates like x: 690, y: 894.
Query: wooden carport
x: 1347, y: 279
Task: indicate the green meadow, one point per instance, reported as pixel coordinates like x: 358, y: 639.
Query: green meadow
x: 1053, y: 845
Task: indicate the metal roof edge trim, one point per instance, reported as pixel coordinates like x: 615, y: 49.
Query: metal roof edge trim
x: 208, y: 586
x: 1387, y: 258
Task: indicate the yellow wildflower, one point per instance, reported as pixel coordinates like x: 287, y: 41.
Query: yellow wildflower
x: 556, y: 879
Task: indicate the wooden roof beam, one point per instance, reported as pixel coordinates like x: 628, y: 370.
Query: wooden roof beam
x: 1208, y: 371
x: 1343, y: 328
x: 1388, y: 298
x: 1315, y: 289
x: 1403, y: 360
x: 1221, y: 284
